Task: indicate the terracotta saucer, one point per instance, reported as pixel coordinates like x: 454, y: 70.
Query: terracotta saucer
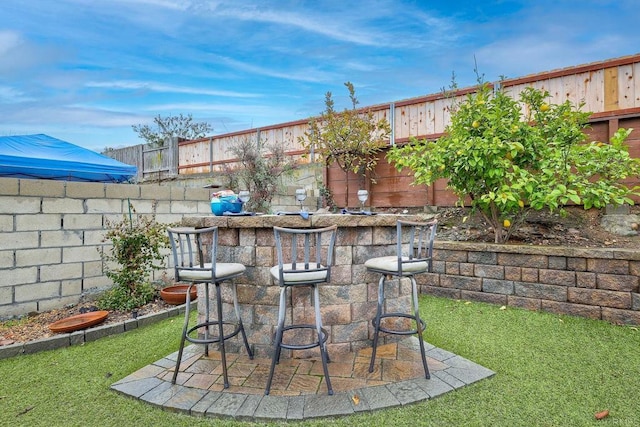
x: 79, y: 321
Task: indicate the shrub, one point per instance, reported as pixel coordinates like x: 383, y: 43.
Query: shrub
x: 261, y: 167
x: 506, y: 157
x: 351, y: 139
x: 136, y: 251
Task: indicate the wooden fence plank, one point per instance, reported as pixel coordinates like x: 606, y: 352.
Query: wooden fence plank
x: 611, y: 89
x: 626, y: 87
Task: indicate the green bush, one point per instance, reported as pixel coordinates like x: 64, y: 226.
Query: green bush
x: 125, y: 299
x: 506, y: 156
x: 352, y: 139
x: 136, y: 251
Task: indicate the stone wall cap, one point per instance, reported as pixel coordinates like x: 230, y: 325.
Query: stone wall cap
x: 314, y: 220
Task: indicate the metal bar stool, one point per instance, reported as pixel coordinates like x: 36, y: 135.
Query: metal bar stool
x: 189, y: 251
x: 416, y: 260
x: 304, y: 259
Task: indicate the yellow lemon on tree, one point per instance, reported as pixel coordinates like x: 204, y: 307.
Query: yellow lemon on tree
x: 521, y: 203
x: 544, y: 107
x: 475, y: 124
x: 506, y: 223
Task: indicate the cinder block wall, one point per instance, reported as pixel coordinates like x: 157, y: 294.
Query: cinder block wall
x: 50, y: 232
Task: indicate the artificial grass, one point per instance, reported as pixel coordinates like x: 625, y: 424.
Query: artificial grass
x: 550, y: 371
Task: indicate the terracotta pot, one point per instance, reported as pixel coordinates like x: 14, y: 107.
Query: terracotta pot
x: 177, y: 294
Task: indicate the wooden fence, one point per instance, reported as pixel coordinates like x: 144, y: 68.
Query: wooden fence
x: 153, y: 163
x: 609, y: 89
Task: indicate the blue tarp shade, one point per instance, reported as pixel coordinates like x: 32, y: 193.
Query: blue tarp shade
x: 43, y: 157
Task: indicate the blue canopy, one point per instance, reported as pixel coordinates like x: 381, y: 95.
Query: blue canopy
x: 43, y: 157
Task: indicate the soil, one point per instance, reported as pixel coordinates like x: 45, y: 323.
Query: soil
x: 579, y: 228
x: 36, y: 325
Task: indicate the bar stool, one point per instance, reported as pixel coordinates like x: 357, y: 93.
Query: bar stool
x: 416, y: 260
x: 304, y: 260
x: 189, y: 250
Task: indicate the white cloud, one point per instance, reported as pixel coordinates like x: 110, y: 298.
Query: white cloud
x: 11, y: 95
x: 9, y: 40
x: 159, y: 87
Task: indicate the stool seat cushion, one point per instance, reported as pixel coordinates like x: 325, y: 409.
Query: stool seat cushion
x: 390, y: 264
x: 223, y: 270
x: 300, y: 275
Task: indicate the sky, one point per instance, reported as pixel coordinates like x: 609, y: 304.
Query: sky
x: 86, y: 71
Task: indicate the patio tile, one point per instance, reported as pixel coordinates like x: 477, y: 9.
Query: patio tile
x: 407, y: 392
x: 202, y: 381
x: 184, y: 399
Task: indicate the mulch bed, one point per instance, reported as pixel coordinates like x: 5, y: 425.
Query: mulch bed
x: 36, y: 325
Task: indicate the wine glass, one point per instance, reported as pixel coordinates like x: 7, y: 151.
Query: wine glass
x: 301, y: 196
x: 363, y: 195
x: 244, y: 196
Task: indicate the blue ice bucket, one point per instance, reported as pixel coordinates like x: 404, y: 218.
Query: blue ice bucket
x: 220, y: 205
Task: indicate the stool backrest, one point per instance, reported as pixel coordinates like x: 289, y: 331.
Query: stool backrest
x: 190, y: 249
x: 305, y: 255
x: 415, y: 242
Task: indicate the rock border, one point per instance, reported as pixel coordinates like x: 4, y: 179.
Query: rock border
x: 89, y: 334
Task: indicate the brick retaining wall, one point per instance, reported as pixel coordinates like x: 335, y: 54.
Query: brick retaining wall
x: 594, y: 283
x: 50, y: 232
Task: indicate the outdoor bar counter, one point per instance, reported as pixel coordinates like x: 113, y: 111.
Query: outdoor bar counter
x: 348, y: 302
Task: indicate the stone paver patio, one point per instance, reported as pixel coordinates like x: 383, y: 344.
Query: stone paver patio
x: 298, y: 391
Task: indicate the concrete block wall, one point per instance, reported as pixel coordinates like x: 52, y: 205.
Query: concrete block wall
x: 50, y: 232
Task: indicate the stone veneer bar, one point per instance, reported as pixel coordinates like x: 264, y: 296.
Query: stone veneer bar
x: 348, y: 302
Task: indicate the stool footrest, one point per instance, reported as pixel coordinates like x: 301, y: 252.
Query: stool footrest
x: 215, y: 338
x: 396, y: 332
x: 323, y: 338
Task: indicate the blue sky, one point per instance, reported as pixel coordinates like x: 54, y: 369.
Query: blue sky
x: 85, y: 71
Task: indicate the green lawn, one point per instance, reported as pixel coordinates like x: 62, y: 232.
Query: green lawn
x: 550, y: 371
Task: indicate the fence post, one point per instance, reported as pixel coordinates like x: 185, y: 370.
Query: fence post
x: 173, y: 156
x: 392, y: 123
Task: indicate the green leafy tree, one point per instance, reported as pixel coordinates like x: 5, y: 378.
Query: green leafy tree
x: 506, y: 157
x: 170, y: 127
x: 261, y: 168
x: 352, y: 139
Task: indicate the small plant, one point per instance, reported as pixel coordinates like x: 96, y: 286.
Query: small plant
x: 327, y: 198
x: 352, y: 139
x: 137, y: 243
x: 261, y: 167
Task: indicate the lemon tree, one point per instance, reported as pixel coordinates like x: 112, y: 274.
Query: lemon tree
x: 506, y: 156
